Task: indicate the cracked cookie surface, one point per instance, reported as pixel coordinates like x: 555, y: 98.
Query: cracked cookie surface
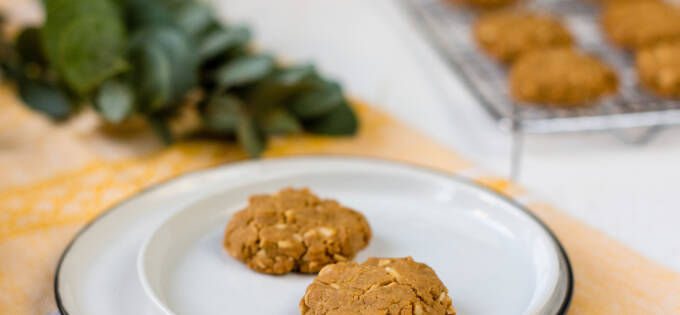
x: 383, y: 286
x: 294, y: 230
x: 561, y: 77
x: 507, y: 34
x: 658, y: 68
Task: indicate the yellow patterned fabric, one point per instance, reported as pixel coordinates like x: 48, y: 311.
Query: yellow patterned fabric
x: 55, y: 178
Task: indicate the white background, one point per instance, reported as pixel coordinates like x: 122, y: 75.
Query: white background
x: 632, y: 193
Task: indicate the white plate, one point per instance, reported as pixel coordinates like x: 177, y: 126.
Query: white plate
x: 490, y: 252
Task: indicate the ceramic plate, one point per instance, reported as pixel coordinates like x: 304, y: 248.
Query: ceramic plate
x: 160, y: 251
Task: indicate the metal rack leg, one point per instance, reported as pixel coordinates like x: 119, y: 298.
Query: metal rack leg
x: 517, y: 143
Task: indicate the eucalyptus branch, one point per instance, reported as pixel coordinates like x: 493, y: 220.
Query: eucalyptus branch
x: 145, y: 57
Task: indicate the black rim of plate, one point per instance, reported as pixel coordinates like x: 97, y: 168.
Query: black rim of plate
x: 569, y: 273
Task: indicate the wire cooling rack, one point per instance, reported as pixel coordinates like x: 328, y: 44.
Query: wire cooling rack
x: 450, y: 29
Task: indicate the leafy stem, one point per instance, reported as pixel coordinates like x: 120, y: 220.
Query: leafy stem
x: 145, y: 57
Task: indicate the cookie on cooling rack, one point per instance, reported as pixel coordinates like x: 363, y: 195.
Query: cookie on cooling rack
x: 485, y: 4
x: 507, y: 34
x: 377, y: 286
x: 637, y: 24
x: 561, y: 77
x: 658, y: 68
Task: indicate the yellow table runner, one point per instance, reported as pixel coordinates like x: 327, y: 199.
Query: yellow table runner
x: 54, y: 179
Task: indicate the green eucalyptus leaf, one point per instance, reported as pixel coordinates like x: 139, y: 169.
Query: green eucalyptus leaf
x: 160, y: 127
x: 279, y: 121
x: 10, y: 65
x: 59, y: 13
x: 295, y: 75
x: 221, y: 40
x: 115, y: 101
x: 28, y: 45
x: 176, y: 45
x: 278, y: 88
x: 84, y: 40
x: 46, y: 98
x: 62, y: 10
x: 173, y: 5
x: 222, y: 113
x: 87, y: 56
x: 341, y: 121
x: 152, y: 78
x: 244, y: 70
x: 194, y: 18
x: 249, y: 136
x: 144, y: 13
x: 10, y: 71
x: 316, y: 102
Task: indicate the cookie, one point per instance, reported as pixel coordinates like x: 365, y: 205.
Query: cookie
x: 485, y: 4
x: 658, y: 68
x: 613, y: 2
x: 294, y: 230
x: 508, y: 34
x: 377, y: 286
x: 637, y: 24
x: 561, y: 77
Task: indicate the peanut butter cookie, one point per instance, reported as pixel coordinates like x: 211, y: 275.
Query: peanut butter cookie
x: 508, y: 34
x: 294, y: 230
x: 561, y: 77
x: 613, y: 2
x: 659, y: 68
x: 636, y: 24
x: 387, y: 286
x: 485, y: 4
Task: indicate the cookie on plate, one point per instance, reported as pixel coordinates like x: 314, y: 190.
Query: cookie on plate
x: 561, y: 77
x: 508, y: 34
x: 485, y: 4
x: 658, y: 68
x: 377, y: 286
x: 636, y: 24
x: 294, y: 230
